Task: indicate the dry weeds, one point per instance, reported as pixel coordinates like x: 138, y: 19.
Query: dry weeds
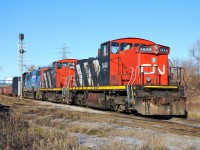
x: 42, y: 127
x: 193, y: 104
x: 17, y: 134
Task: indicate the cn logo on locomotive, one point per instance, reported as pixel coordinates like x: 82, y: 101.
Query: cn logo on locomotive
x: 153, y: 67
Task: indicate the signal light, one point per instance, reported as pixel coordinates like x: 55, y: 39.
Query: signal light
x: 21, y: 37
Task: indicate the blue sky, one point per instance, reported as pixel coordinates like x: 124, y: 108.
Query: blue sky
x: 82, y: 25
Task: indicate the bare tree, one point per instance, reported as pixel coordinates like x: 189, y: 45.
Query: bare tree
x: 195, y: 53
x: 189, y: 75
x: 195, y: 50
x: 1, y: 68
x: 31, y: 68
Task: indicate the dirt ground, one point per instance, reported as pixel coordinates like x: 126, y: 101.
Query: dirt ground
x: 94, y: 129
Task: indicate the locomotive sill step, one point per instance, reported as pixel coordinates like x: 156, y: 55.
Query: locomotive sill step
x: 130, y: 100
x: 161, y: 87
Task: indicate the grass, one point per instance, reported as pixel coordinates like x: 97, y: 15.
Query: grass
x: 41, y: 127
x: 194, y: 115
x: 31, y: 127
x: 15, y: 133
x: 88, y: 131
x: 193, y: 104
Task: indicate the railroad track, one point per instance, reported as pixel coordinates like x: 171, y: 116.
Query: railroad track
x: 178, y: 126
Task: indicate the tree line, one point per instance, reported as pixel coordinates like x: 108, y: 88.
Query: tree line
x: 191, y: 65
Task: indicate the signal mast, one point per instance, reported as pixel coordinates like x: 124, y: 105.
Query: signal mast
x: 21, y: 51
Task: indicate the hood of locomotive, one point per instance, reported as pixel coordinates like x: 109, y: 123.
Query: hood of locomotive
x: 153, y: 65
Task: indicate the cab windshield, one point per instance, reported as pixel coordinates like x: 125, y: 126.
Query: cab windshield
x: 115, y: 46
x: 66, y: 64
x: 126, y: 46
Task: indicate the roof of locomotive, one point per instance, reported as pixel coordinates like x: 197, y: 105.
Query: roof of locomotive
x: 66, y: 60
x: 134, y: 40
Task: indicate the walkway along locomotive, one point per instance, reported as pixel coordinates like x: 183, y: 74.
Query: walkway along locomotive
x: 129, y: 74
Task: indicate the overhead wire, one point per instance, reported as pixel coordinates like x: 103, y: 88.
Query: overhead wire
x: 5, y: 57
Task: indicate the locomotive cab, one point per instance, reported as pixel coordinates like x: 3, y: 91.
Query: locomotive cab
x: 63, y: 72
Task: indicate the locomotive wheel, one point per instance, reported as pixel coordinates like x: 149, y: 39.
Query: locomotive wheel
x: 119, y: 108
x: 65, y: 100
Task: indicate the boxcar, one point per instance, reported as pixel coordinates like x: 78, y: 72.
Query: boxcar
x: 7, y: 90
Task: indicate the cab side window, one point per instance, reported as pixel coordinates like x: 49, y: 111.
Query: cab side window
x: 59, y: 65
x: 115, y: 47
x: 105, y: 50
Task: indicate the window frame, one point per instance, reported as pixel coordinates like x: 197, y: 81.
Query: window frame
x: 117, y: 48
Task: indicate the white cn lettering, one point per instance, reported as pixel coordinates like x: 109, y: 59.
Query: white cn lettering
x: 153, y: 69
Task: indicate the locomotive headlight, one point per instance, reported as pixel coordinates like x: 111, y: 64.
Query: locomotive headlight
x: 149, y: 79
x: 145, y: 49
x: 164, y: 50
x: 156, y: 51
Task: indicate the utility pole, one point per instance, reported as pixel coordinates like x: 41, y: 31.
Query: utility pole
x: 64, y: 52
x: 1, y: 68
x: 198, y: 68
x: 21, y: 51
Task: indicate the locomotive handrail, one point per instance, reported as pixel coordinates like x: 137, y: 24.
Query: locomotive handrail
x: 178, y: 74
x: 131, y: 75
